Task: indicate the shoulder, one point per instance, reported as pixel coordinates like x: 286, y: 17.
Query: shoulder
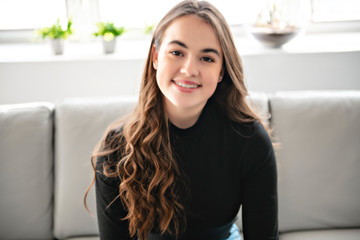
x: 113, y: 137
x: 253, y: 132
x: 109, y: 153
x: 258, y: 152
x: 258, y: 135
x: 255, y: 139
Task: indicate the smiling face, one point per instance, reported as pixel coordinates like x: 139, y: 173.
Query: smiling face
x: 189, y: 64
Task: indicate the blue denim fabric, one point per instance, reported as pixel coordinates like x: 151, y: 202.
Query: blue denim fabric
x: 234, y: 233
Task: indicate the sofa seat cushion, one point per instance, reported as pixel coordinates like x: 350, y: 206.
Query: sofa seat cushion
x: 343, y: 234
x: 84, y: 238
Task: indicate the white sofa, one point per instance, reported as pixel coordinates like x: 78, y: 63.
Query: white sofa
x: 45, y: 166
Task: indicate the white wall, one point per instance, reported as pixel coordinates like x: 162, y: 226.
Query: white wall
x: 52, y: 81
x: 55, y: 78
x: 311, y: 71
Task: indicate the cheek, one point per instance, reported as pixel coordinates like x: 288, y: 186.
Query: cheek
x: 212, y: 81
x: 166, y: 70
x: 159, y: 81
x: 162, y: 76
x: 162, y: 58
x: 212, y: 78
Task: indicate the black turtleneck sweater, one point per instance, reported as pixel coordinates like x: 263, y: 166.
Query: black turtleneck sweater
x: 226, y: 165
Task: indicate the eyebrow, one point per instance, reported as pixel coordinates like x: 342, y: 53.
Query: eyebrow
x: 206, y: 50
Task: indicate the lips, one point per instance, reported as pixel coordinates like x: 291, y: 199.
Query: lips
x: 187, y: 84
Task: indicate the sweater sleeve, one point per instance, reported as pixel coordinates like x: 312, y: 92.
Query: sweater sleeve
x: 260, y: 204
x: 111, y: 225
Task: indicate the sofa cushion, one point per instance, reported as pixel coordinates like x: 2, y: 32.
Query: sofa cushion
x: 80, y: 123
x: 318, y: 160
x: 85, y: 238
x: 26, y: 177
x: 336, y: 234
x: 260, y: 104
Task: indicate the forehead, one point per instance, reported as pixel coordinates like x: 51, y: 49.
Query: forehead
x: 193, y: 31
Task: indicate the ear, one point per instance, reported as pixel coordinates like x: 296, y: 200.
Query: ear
x: 221, y: 75
x: 154, y: 57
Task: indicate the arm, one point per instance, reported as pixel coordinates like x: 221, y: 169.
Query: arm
x: 260, y: 204
x: 111, y: 225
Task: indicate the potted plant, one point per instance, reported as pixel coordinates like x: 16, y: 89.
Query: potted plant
x: 108, y: 32
x: 57, y: 35
x: 279, y: 22
x: 149, y: 29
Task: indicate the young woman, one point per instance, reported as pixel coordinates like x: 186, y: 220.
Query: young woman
x: 193, y: 151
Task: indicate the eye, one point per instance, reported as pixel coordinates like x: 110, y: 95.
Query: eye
x: 207, y: 59
x: 176, y: 53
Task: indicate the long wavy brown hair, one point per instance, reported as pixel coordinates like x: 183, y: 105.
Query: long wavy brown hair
x: 147, y: 167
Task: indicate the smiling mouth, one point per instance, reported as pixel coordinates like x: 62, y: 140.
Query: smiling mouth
x: 184, y: 85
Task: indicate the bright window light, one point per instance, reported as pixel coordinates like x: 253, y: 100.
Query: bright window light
x: 129, y: 14
x: 30, y: 14
x: 336, y: 10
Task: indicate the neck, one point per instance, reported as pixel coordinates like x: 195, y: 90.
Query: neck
x: 183, y: 117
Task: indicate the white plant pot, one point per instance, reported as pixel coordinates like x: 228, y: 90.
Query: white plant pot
x: 57, y: 46
x: 109, y: 46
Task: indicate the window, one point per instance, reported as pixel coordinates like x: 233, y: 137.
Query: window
x: 335, y: 10
x: 30, y: 14
x: 20, y: 15
x: 134, y: 14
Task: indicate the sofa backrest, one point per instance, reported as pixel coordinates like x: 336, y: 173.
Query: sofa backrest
x: 26, y: 165
x: 79, y: 125
x: 318, y: 160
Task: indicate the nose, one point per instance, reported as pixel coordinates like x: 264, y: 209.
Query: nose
x: 189, y: 67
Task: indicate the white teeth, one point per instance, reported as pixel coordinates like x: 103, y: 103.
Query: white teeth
x: 186, y: 85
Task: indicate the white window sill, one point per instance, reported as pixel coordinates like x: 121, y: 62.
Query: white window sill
x: 137, y: 49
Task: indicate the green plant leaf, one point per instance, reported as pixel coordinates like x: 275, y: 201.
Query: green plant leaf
x: 106, y: 28
x: 55, y: 31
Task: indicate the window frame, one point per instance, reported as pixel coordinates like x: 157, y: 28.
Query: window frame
x: 27, y: 35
